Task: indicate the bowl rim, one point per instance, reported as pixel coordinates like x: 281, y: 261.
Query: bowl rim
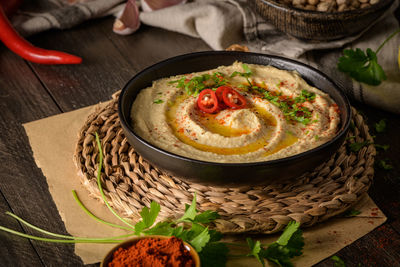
x: 192, y: 251
x: 342, y: 131
x: 373, y: 8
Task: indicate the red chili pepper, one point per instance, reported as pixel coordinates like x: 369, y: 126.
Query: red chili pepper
x: 221, y: 102
x: 207, y: 101
x: 23, y: 48
x: 233, y: 99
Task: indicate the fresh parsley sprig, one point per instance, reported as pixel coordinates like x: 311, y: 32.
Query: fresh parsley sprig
x: 289, y: 245
x: 190, y: 227
x: 363, y: 66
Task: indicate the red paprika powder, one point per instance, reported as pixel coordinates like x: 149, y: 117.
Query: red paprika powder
x: 154, y: 252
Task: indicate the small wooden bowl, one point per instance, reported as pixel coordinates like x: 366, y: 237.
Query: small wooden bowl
x: 109, y: 256
x: 316, y: 25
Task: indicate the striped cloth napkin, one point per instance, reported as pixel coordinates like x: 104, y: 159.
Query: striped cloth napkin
x: 225, y: 22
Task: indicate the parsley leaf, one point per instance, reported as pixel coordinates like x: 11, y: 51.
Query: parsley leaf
x: 161, y: 228
x: 158, y: 101
x: 383, y: 165
x: 355, y: 147
x: 148, y: 217
x: 200, y: 240
x: 190, y: 212
x: 338, y: 261
x: 246, y: 74
x: 383, y: 147
x: 289, y: 244
x: 380, y: 127
x: 361, y: 66
x: 351, y: 213
x: 206, y: 217
x: 255, y: 248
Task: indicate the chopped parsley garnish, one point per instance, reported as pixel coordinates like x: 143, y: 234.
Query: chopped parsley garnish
x: 247, y: 72
x: 292, y: 109
x: 158, y: 101
x: 197, y: 84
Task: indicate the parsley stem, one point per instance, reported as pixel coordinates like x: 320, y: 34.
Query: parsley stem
x: 387, y: 39
x: 59, y: 240
x: 58, y: 235
x: 101, y: 188
x: 94, y: 216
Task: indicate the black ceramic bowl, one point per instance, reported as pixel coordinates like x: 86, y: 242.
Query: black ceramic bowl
x: 319, y: 26
x: 230, y: 174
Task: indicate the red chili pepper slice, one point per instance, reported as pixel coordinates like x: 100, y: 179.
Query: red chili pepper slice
x: 23, y: 48
x: 221, y: 102
x: 233, y: 99
x: 207, y: 101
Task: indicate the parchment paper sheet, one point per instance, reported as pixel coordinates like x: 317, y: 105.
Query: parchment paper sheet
x: 53, y: 141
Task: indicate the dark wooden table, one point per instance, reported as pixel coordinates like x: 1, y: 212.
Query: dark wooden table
x: 30, y: 92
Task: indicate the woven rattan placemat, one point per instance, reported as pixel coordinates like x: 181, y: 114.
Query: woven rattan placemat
x: 130, y: 182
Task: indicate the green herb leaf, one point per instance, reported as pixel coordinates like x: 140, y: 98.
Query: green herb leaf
x: 338, y: 261
x: 197, y: 84
x: 206, y: 217
x: 355, y: 147
x: 161, y: 228
x: 383, y: 147
x: 247, y: 72
x: 289, y: 244
x: 148, y: 217
x: 190, y: 212
x: 158, y: 101
x: 361, y: 66
x: 351, y: 213
x: 380, y: 127
x: 200, y: 240
x: 383, y: 165
x: 255, y: 249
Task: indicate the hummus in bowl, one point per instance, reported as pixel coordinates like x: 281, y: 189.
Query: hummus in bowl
x: 281, y: 114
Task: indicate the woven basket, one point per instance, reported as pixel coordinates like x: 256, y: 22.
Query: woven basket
x: 130, y: 182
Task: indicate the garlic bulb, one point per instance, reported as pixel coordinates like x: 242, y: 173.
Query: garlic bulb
x: 128, y: 22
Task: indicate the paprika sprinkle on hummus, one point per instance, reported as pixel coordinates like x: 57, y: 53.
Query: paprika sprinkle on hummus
x: 153, y: 252
x: 237, y: 113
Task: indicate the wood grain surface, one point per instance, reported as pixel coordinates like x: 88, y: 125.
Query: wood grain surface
x: 29, y: 92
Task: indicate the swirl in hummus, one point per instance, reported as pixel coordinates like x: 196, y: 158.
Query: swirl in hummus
x: 283, y: 116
